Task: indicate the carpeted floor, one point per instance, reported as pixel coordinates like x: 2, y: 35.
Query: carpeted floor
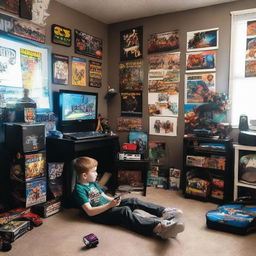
x: 61, y: 235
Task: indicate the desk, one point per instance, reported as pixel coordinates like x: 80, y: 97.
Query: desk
x: 103, y: 149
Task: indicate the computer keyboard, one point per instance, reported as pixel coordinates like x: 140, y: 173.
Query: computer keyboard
x: 84, y: 135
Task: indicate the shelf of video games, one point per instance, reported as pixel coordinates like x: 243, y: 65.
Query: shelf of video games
x: 30, y: 186
x: 208, y: 169
x: 244, y: 173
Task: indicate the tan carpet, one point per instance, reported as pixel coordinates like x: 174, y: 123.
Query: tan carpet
x: 61, y: 235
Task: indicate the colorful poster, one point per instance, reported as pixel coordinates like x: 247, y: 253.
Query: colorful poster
x: 88, y: 45
x: 199, y: 87
x: 162, y: 42
x: 251, y: 28
x: 131, y: 103
x: 170, y: 61
x: 78, y: 71
x: 163, y: 104
x: 31, y: 69
x: 131, y: 43
x: 35, y: 166
x: 140, y: 139
x: 22, y: 28
x: 164, y: 126
x: 201, y: 61
x: 162, y: 86
x: 250, y: 68
x: 60, y: 69
x: 9, y: 64
x: 129, y: 124
x: 95, y: 74
x: 61, y: 35
x: 131, y: 76
x: 157, y: 152
x: 202, y: 39
x: 55, y: 178
x: 10, y: 6
x: 251, y: 48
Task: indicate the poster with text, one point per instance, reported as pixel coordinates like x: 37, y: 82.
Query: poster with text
x: 60, y: 69
x: 203, y: 39
x: 131, y: 43
x: 164, y: 126
x: 162, y: 42
x: 131, y: 103
x: 88, y: 45
x: 95, y: 74
x: 129, y: 124
x: 199, y: 87
x: 162, y: 86
x: 131, y: 76
x: 78, y: 71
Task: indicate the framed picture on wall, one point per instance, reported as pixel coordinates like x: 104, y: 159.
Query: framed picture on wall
x: 131, y: 43
x: 95, y: 74
x: 162, y: 42
x: 88, y: 45
x: 60, y: 69
x: 131, y: 103
x: 78, y: 71
x: 139, y: 138
x: 11, y: 6
x: 203, y: 39
x: 61, y: 35
x: 25, y: 9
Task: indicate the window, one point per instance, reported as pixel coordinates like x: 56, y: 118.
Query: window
x: 242, y: 86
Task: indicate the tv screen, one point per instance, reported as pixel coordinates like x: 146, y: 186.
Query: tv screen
x: 78, y: 109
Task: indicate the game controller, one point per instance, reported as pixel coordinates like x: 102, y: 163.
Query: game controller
x: 90, y: 241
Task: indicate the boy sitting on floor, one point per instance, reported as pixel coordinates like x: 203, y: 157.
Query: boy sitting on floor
x: 104, y: 209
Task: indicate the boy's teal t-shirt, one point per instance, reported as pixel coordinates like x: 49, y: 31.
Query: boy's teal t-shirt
x: 89, y: 194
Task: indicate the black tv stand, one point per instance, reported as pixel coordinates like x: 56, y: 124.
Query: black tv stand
x: 103, y: 149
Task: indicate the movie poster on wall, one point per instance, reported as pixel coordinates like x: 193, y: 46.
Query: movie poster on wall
x: 163, y: 104
x: 95, y: 74
x: 131, y: 103
x: 162, y: 42
x: 78, y: 71
x: 131, y: 76
x: 199, y: 87
x: 129, y: 124
x: 131, y: 44
x: 25, y: 10
x: 60, y: 69
x: 203, y: 39
x: 204, y: 61
x: 11, y: 6
x: 61, y: 35
x: 165, y: 126
x: 88, y: 45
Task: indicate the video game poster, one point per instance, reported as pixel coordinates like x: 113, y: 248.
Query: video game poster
x: 95, y: 74
x: 131, y: 76
x: 61, y: 35
x: 11, y: 6
x: 199, y: 87
x: 131, y: 104
x: 78, y: 71
x: 162, y: 42
x: 129, y: 124
x: 55, y: 178
x: 201, y: 61
x: 164, y: 126
x: 203, y: 39
x: 139, y: 138
x: 88, y: 45
x: 60, y: 69
x: 156, y: 151
x: 22, y: 28
x: 131, y: 44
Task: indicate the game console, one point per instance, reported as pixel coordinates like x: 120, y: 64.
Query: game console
x: 128, y: 156
x: 247, y: 138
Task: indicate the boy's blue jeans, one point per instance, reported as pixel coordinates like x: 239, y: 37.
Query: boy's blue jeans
x: 123, y: 215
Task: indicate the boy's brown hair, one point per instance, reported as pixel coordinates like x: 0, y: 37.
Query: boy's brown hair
x: 84, y: 164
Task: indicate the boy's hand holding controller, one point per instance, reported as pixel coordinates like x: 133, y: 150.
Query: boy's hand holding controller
x: 116, y: 201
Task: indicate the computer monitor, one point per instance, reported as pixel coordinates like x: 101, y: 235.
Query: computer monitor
x: 77, y: 111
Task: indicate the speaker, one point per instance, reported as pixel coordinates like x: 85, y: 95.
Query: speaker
x: 243, y: 123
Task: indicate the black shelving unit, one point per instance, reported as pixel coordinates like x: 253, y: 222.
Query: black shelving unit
x: 212, y: 160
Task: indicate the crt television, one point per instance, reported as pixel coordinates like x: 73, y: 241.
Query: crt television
x: 77, y: 111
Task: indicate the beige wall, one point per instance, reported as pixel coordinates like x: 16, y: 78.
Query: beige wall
x: 64, y: 16
x: 203, y: 18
